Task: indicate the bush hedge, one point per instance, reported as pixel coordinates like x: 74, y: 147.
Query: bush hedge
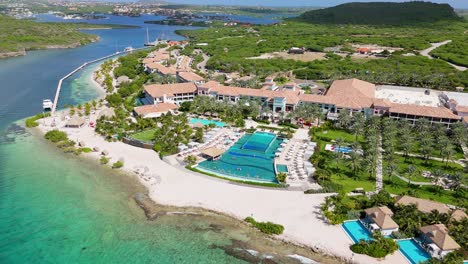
x: 266, y: 227
x: 56, y: 136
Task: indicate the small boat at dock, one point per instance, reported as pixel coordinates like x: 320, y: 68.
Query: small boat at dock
x: 47, y: 104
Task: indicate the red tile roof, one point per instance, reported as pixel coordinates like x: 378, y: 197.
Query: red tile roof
x: 419, y: 110
x: 158, y: 108
x: 190, y: 76
x: 158, y: 90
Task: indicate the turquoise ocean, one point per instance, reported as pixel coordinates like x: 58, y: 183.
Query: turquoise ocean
x: 57, y: 208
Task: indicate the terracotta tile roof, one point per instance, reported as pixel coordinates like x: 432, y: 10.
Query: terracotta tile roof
x: 462, y: 108
x: 382, y: 216
x: 158, y: 90
x: 314, y: 98
x: 438, y: 234
x: 158, y: 108
x: 423, y: 205
x: 458, y: 215
x: 419, y: 110
x: 382, y: 103
x: 352, y: 88
x: 159, y: 55
x: 190, y: 76
x: 161, y: 68
x: 148, y: 60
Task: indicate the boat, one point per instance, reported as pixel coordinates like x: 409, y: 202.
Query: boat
x: 128, y: 49
x: 47, y: 104
x: 148, y: 43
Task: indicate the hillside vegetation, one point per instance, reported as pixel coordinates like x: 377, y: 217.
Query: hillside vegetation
x: 18, y: 35
x: 229, y: 48
x: 377, y: 13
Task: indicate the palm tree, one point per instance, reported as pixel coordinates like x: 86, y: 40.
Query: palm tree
x: 422, y: 125
x: 457, y: 181
x: 391, y: 170
x: 437, y: 175
x: 355, y: 161
x: 358, y: 126
x: 410, y: 171
x: 344, y: 118
x: 447, y: 153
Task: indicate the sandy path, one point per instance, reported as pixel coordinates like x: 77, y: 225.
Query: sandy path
x: 435, y: 46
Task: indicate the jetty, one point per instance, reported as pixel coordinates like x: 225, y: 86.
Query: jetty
x: 59, y: 86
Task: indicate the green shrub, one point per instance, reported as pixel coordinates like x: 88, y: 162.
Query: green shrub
x: 266, y: 227
x: 31, y: 122
x: 104, y: 160
x: 66, y: 144
x: 86, y: 150
x: 56, y: 136
x: 117, y: 164
x: 281, y: 177
x: 378, y: 248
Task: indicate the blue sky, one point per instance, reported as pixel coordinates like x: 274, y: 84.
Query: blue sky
x: 454, y: 3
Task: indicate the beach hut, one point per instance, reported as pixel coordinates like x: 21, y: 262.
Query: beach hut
x: 212, y: 153
x: 75, y: 122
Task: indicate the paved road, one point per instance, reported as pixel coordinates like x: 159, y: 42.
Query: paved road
x: 201, y: 65
x: 435, y: 46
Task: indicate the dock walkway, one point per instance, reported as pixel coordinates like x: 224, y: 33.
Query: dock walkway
x: 59, y: 86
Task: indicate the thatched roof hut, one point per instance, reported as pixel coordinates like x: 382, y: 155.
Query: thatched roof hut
x: 108, y: 112
x: 75, y: 121
x: 212, y: 153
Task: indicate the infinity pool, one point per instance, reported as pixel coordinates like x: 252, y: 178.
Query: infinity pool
x: 413, y: 252
x: 356, y: 231
x: 251, y: 158
x: 207, y: 122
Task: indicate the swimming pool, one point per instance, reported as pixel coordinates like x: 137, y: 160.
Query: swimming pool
x: 413, y: 252
x: 356, y: 231
x: 281, y: 168
x: 207, y: 122
x: 249, y: 164
x: 259, y: 141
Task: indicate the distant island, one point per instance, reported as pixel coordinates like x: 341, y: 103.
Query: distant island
x: 381, y: 13
x: 19, y: 36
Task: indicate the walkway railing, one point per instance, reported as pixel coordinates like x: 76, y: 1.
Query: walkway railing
x: 59, y: 86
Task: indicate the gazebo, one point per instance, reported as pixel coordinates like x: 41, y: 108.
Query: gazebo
x: 75, y: 122
x: 212, y: 153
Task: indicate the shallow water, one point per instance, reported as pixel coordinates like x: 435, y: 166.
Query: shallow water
x: 57, y: 208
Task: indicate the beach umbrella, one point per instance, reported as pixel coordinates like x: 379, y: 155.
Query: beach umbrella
x: 105, y: 152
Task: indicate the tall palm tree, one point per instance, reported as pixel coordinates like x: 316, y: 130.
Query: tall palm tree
x: 457, y: 181
x: 447, y: 153
x: 344, y: 118
x: 410, y: 171
x: 391, y: 170
x: 355, y: 160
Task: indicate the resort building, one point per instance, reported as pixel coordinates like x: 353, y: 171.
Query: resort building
x: 152, y: 111
x: 437, y: 241
x: 412, y: 113
x: 175, y: 93
x: 423, y: 205
x: 352, y: 95
x: 380, y: 219
x: 155, y: 67
x: 185, y: 76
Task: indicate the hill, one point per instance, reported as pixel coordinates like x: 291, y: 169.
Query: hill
x: 380, y: 13
x: 19, y: 36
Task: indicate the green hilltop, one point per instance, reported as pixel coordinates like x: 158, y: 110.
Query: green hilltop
x: 382, y: 13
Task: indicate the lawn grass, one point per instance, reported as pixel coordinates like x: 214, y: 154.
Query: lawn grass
x: 146, y: 135
x: 422, y: 165
x: 333, y: 134
x: 436, y: 153
x: 398, y: 187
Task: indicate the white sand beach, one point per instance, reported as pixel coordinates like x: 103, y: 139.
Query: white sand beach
x: 174, y: 185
